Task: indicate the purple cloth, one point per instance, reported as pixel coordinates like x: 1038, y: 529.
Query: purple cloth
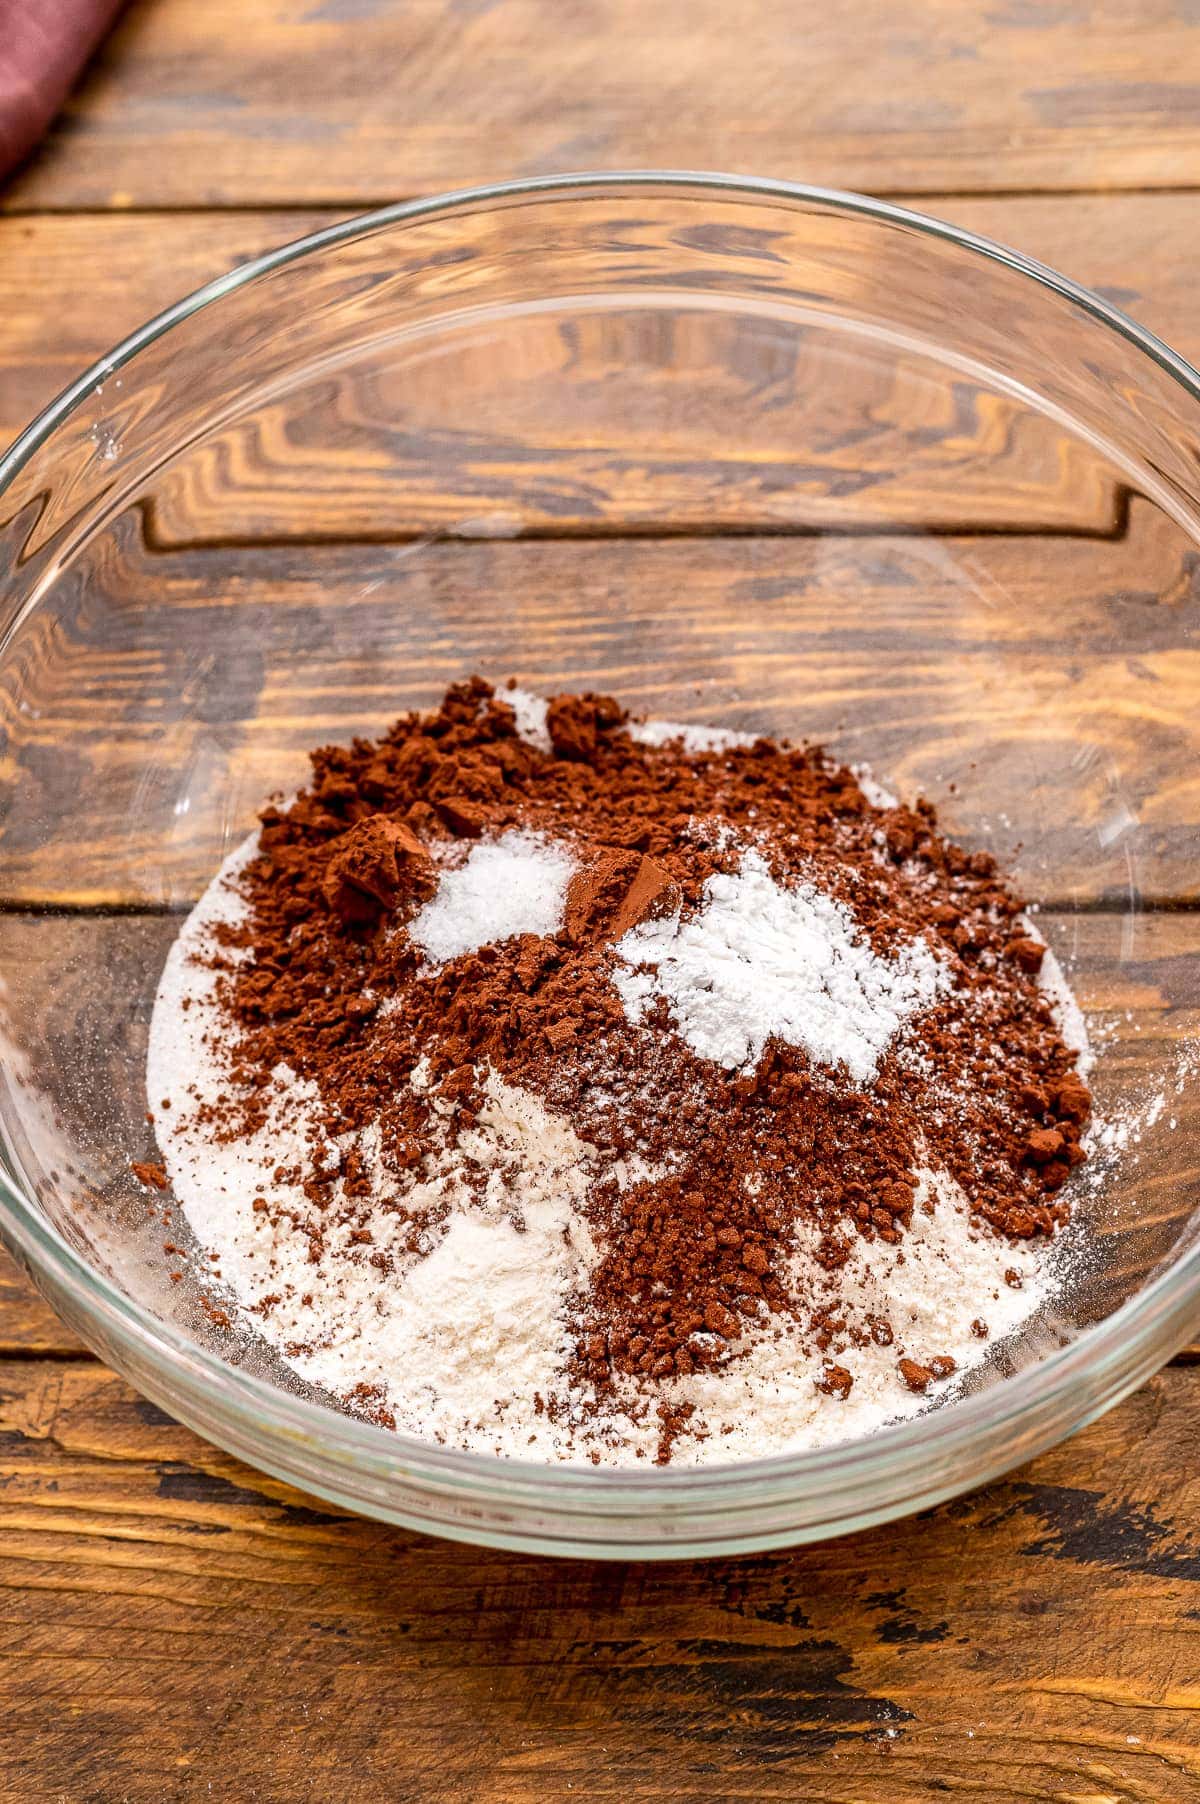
x: 44, y: 45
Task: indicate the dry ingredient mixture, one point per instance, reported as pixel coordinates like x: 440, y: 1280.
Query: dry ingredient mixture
x: 554, y: 1085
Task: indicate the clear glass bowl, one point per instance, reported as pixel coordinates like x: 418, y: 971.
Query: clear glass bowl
x: 739, y: 452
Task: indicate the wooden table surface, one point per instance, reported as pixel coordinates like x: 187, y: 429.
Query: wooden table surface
x: 176, y: 1627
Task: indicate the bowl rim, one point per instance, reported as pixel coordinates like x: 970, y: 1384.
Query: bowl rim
x: 1123, y: 1349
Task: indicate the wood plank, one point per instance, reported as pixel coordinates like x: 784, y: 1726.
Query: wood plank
x: 638, y: 443
x: 1054, y: 681
x: 172, y: 1618
x: 107, y: 274
x: 77, y: 993
x: 617, y: 422
x: 28, y: 1325
x: 354, y: 103
x: 71, y: 286
x: 599, y: 420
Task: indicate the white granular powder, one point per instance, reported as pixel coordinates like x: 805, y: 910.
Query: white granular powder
x: 759, y: 960
x: 511, y: 885
x: 531, y: 711
x: 691, y: 738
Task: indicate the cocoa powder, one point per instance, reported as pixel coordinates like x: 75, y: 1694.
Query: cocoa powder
x: 695, y: 1251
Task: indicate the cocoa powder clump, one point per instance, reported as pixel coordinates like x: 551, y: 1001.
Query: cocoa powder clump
x: 378, y: 863
x: 616, y: 892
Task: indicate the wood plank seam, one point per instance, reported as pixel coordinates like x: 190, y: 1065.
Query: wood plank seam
x: 655, y: 532
x: 347, y: 207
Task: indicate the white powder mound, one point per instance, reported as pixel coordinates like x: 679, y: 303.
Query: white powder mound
x: 487, y: 1306
x: 531, y: 711
x: 759, y: 960
x: 511, y: 885
x: 691, y: 738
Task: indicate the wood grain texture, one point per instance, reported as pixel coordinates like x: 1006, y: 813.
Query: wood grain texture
x: 597, y: 419
x: 357, y: 101
x: 28, y: 1325
x: 682, y: 428
x: 1053, y: 679
x: 633, y: 421
x: 175, y: 1626
x: 174, y: 1621
x: 107, y: 274
x: 72, y: 285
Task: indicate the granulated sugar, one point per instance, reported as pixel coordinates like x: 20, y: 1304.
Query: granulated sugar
x: 689, y: 737
x: 758, y: 959
x: 608, y: 1093
x: 511, y: 885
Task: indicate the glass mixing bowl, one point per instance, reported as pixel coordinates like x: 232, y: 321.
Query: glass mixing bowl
x: 738, y: 452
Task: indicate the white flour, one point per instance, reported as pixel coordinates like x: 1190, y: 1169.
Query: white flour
x: 760, y: 960
x: 1068, y: 1016
x: 457, y: 1342
x: 875, y: 792
x: 930, y: 1287
x: 464, y: 1333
